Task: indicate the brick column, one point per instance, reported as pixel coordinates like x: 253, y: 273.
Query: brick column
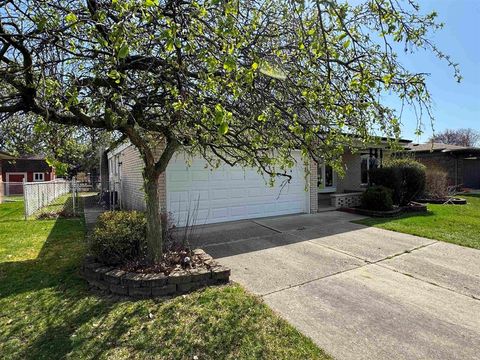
x: 313, y: 187
x: 162, y: 181
x: 162, y: 191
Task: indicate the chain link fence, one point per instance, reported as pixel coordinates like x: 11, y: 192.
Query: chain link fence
x: 39, y: 195
x: 11, y: 190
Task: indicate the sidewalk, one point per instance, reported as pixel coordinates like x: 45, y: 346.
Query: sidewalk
x: 92, y: 209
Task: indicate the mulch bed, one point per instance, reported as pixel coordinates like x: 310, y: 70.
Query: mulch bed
x: 413, y: 207
x: 172, y: 260
x: 454, y: 201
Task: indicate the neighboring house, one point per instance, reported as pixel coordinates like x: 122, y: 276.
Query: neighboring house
x: 461, y: 163
x: 16, y: 170
x: 235, y: 193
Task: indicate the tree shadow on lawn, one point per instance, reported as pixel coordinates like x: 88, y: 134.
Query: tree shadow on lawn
x: 48, y: 312
x: 45, y: 300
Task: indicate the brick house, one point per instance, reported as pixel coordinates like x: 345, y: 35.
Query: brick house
x: 462, y: 164
x: 15, y: 170
x: 236, y: 193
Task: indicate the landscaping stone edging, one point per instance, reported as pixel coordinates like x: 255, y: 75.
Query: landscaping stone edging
x: 454, y: 201
x: 417, y: 208
x: 142, y: 286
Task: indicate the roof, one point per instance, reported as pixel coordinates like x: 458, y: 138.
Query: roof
x: 455, y: 150
x: 429, y: 147
x: 6, y: 156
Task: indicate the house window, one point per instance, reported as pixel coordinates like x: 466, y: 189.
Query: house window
x: 325, y: 178
x: 368, y: 162
x: 38, y: 176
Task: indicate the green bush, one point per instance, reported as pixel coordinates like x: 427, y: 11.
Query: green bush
x: 406, y: 177
x: 118, y: 237
x: 377, y: 198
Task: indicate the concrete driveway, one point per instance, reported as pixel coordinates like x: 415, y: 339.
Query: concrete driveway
x: 358, y: 292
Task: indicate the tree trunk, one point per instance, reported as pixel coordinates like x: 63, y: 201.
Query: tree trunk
x: 154, y: 241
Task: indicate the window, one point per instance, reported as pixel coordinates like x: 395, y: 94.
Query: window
x: 38, y: 176
x: 368, y: 162
x: 325, y: 178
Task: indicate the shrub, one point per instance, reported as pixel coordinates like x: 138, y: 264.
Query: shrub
x: 377, y: 198
x: 118, y: 237
x: 406, y: 177
x: 436, y: 186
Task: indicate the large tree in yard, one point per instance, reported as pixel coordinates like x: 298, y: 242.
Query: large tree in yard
x: 240, y: 81
x: 460, y: 137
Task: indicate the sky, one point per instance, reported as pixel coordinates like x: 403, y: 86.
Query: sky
x: 456, y: 105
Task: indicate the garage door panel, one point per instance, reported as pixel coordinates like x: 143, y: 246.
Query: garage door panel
x: 238, y: 211
x: 227, y: 193
x: 199, y: 175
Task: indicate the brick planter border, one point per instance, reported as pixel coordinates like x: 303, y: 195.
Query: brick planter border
x: 143, y: 286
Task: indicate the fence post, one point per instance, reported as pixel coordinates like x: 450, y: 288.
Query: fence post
x: 25, y: 202
x: 72, y: 185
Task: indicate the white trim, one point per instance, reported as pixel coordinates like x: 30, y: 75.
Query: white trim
x: 7, y: 175
x: 39, y: 173
x: 329, y: 189
x: 118, y: 149
x: 307, y: 170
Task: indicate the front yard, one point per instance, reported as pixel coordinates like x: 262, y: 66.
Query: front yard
x: 457, y: 224
x: 47, y: 312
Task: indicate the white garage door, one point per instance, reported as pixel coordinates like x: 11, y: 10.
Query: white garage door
x: 230, y: 193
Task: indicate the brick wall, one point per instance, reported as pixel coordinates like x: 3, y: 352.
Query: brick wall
x: 346, y: 200
x: 313, y: 187
x: 452, y: 166
x: 353, y: 175
x: 132, y: 194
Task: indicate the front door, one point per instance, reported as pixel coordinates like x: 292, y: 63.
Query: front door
x: 326, y: 179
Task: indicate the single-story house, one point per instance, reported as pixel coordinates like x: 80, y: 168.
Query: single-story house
x: 235, y: 193
x: 461, y: 163
x: 15, y: 170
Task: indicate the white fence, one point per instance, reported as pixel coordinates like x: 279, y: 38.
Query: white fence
x: 40, y: 194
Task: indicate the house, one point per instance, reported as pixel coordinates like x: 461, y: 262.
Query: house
x: 189, y: 186
x: 15, y: 170
x: 461, y: 163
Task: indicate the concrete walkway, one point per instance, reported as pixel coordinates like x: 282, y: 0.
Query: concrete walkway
x: 358, y: 292
x: 91, y: 210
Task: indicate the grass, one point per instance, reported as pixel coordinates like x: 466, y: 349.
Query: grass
x: 457, y: 224
x: 61, y: 205
x: 48, y: 313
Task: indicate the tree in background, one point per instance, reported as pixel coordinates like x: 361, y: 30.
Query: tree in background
x: 460, y: 137
x: 68, y: 149
x: 243, y: 82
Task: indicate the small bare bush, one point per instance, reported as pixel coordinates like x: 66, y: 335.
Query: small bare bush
x: 436, y: 186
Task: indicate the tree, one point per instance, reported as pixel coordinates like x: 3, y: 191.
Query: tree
x: 244, y: 82
x: 460, y: 137
x: 69, y: 150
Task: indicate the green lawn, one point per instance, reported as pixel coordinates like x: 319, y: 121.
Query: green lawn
x: 457, y: 224
x: 46, y: 311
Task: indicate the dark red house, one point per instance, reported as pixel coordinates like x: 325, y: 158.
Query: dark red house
x: 15, y: 170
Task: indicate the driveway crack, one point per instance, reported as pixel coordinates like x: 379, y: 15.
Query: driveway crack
x: 267, y: 227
